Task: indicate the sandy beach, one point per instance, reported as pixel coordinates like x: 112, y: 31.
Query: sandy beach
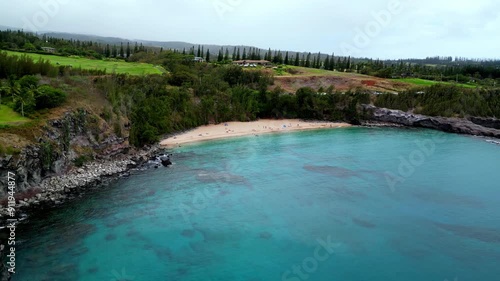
x: 237, y: 129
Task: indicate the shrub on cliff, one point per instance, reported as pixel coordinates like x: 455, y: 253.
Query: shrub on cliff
x: 49, y: 97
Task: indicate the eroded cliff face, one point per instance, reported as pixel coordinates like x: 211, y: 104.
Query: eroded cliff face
x: 451, y: 125
x: 75, y: 138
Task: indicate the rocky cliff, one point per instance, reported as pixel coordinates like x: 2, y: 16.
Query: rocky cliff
x: 71, y: 140
x: 451, y: 125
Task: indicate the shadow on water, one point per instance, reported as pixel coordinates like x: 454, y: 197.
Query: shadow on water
x: 447, y: 198
x: 337, y: 172
x: 488, y: 235
x: 345, y: 173
x: 363, y: 223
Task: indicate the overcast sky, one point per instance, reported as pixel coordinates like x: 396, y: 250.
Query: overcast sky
x: 375, y: 28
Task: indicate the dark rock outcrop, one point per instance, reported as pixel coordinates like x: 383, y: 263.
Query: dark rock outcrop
x: 451, y: 125
x: 165, y: 160
x: 486, y: 122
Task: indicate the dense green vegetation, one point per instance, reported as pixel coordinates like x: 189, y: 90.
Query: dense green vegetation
x: 29, y: 42
x: 444, y: 100
x: 26, y: 95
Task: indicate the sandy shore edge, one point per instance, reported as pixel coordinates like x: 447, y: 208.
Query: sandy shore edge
x: 238, y: 129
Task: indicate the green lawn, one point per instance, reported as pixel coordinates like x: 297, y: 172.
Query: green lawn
x: 119, y: 67
x: 422, y: 82
x: 10, y: 117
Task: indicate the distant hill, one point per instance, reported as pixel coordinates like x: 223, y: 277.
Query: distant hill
x: 177, y: 45
x: 3, y: 27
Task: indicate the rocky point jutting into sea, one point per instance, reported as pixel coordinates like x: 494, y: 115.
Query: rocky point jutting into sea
x: 46, y: 174
x: 487, y: 127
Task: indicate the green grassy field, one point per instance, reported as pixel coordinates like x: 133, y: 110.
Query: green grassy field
x: 422, y: 82
x: 10, y: 117
x: 119, y: 67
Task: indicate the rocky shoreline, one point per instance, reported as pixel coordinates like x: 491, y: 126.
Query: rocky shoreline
x: 451, y: 125
x: 56, y: 190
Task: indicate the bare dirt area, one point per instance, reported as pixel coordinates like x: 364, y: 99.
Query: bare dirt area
x: 292, y: 78
x: 341, y: 83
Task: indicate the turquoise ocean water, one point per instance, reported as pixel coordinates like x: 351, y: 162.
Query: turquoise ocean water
x: 346, y: 204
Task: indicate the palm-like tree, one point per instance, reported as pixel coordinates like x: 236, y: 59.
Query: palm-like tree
x: 24, y: 96
x: 15, y: 89
x: 4, y: 90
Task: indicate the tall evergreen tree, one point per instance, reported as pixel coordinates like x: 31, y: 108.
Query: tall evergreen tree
x: 326, y: 64
x: 280, y: 57
x: 238, y: 56
x: 207, y: 58
x: 318, y: 61
x: 303, y: 61
x: 287, y: 62
x: 122, y: 52
x: 115, y: 51
x: 198, y: 54
x: 332, y: 62
x: 128, y: 50
x: 244, y: 57
x: 308, y: 60
x: 234, y: 54
x: 226, y: 55
x: 108, y: 51
x: 269, y: 55
x: 297, y: 60
x: 220, y: 57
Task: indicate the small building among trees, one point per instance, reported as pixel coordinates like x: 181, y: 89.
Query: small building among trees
x: 49, y: 49
x: 199, y: 59
x: 247, y: 63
